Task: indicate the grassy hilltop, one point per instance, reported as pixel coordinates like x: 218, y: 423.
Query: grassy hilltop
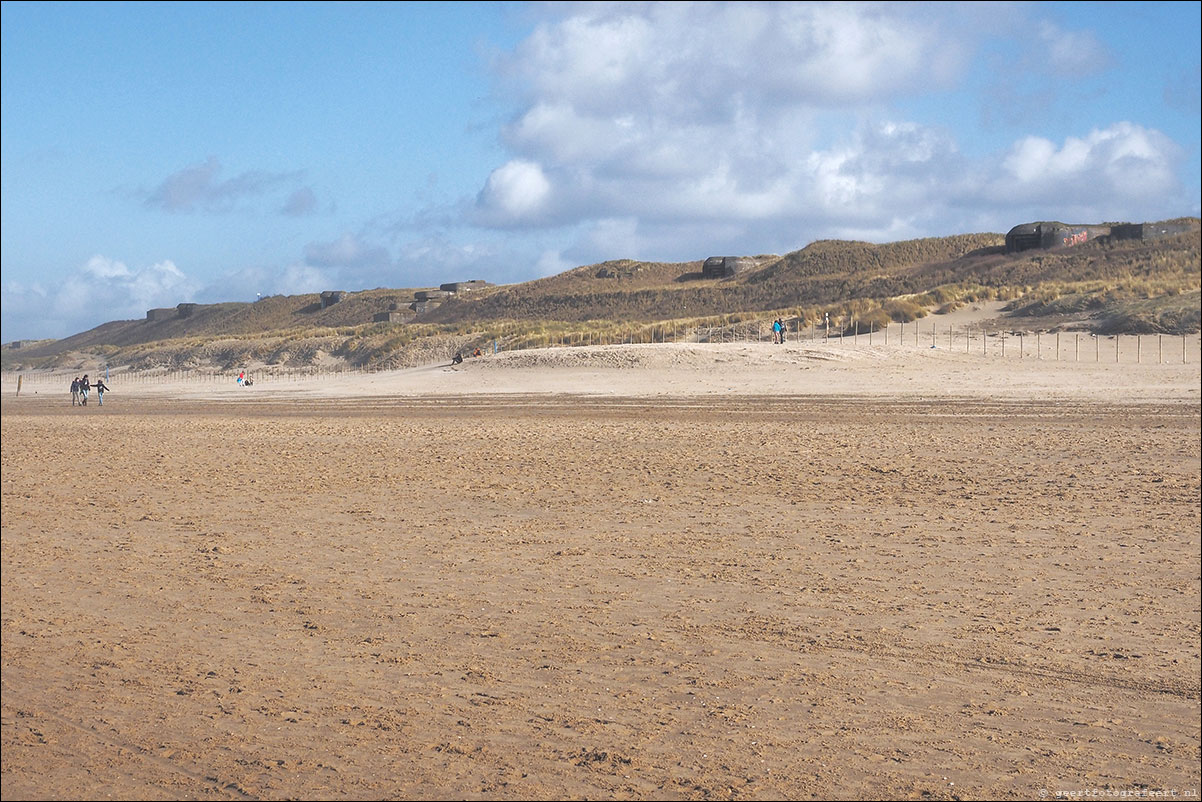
x: 1125, y: 286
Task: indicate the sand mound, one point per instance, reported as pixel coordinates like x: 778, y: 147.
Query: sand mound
x: 699, y: 356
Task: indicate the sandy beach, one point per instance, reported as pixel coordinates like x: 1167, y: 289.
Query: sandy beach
x: 669, y: 571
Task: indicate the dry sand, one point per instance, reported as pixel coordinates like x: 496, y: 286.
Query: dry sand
x: 670, y: 572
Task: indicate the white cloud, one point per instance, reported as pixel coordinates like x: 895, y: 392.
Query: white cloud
x: 516, y: 193
x: 848, y: 54
x: 1107, y: 170
x: 100, y: 290
x: 666, y: 113
x: 104, y: 268
x: 695, y: 58
x: 107, y: 285
x: 668, y: 130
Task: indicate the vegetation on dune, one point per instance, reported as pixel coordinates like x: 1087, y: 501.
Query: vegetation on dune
x: 1130, y: 286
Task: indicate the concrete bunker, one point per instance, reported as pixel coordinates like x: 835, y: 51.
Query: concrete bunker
x: 726, y: 266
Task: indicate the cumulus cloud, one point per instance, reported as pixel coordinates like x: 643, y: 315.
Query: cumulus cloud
x: 692, y: 59
x: 638, y: 117
x: 107, y: 285
x: 103, y: 268
x: 1104, y: 170
x: 516, y: 193
x: 672, y: 130
x: 198, y: 188
x: 100, y: 290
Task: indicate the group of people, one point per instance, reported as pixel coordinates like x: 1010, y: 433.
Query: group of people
x: 458, y: 358
x: 81, y: 388
x: 778, y: 331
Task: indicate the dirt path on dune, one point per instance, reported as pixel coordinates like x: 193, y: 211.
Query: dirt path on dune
x: 534, y: 598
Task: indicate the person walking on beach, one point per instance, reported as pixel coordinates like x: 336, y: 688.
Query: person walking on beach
x: 75, y: 391
x: 100, y: 390
x: 776, y: 331
x: 83, y: 389
x: 782, y: 328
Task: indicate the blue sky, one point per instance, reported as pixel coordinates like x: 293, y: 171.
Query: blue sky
x: 159, y: 153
